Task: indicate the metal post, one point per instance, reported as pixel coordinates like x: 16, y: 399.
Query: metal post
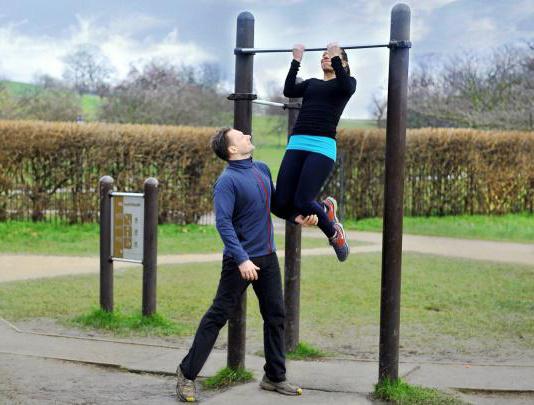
x: 393, y: 196
x: 106, y: 264
x: 292, y: 261
x: 150, y: 246
x: 243, y: 122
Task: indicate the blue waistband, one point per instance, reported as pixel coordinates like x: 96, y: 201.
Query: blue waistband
x: 312, y: 143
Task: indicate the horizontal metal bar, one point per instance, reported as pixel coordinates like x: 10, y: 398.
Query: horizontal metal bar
x: 275, y: 50
x: 120, y: 259
x: 121, y: 194
x: 271, y: 103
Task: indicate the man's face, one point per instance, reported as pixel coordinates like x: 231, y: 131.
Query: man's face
x: 239, y: 143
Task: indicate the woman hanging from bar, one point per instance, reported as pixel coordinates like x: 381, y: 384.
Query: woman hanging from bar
x: 311, y: 151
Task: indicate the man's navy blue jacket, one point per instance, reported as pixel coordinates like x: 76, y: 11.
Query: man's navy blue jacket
x: 242, y: 197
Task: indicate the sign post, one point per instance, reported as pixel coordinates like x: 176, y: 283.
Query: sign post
x: 127, y: 226
x: 128, y: 233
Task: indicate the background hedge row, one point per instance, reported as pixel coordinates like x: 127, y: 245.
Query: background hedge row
x: 51, y: 170
x: 448, y: 172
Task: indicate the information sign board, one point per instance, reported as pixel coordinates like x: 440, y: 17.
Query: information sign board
x: 127, y: 225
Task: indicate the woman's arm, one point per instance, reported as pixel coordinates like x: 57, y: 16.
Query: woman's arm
x: 346, y: 83
x: 291, y: 87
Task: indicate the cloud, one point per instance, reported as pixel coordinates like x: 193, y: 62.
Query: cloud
x: 25, y: 55
x: 184, y: 31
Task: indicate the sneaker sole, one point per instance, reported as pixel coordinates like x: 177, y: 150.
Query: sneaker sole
x: 346, y: 244
x: 186, y: 399
x: 346, y: 257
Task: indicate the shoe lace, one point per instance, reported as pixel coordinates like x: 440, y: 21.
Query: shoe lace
x: 189, y: 384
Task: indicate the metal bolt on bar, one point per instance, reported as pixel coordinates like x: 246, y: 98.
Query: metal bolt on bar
x: 391, y: 44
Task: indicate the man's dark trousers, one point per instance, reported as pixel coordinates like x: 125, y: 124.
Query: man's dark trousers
x: 268, y: 289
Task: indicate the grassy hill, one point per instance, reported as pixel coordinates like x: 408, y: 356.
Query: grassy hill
x: 90, y: 103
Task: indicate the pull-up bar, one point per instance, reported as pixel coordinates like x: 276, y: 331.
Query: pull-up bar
x: 391, y: 44
x: 243, y: 97
x: 285, y: 106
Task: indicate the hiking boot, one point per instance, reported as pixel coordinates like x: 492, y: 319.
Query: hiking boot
x: 185, y: 389
x: 339, y: 243
x: 330, y: 204
x: 282, y: 387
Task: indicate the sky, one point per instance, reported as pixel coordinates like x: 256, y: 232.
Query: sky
x: 35, y: 35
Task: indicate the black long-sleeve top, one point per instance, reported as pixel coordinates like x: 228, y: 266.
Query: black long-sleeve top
x: 323, y: 101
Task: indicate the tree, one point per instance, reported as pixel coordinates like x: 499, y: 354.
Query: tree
x: 47, y: 104
x: 162, y: 93
x: 87, y: 70
x: 378, y: 109
x: 476, y: 91
x: 48, y: 100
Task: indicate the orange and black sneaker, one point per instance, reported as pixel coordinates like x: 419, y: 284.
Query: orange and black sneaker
x: 330, y: 204
x: 339, y: 243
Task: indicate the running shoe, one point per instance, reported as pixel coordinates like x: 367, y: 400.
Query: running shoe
x: 282, y: 387
x: 339, y: 243
x: 185, y: 389
x: 330, y: 204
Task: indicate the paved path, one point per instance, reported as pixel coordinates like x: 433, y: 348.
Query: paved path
x: 335, y: 381
x: 21, y: 267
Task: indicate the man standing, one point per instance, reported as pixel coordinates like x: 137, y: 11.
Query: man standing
x: 242, y: 199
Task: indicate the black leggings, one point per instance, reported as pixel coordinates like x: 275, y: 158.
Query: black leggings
x: 301, y: 176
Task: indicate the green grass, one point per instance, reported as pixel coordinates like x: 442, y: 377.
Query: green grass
x: 16, y: 88
x: 456, y: 299
x: 83, y: 239
x: 511, y: 227
x: 227, y: 377
x: 270, y: 137
x: 305, y: 351
x: 124, y: 323
x: 357, y: 123
x: 90, y: 106
x: 400, y: 392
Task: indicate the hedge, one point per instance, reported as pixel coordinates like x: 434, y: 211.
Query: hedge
x: 447, y: 172
x: 51, y: 170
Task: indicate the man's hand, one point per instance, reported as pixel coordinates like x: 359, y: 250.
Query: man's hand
x: 310, y: 220
x: 298, y: 52
x: 248, y: 270
x: 333, y: 49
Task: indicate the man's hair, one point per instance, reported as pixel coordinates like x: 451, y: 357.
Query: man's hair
x: 346, y: 59
x: 219, y: 143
